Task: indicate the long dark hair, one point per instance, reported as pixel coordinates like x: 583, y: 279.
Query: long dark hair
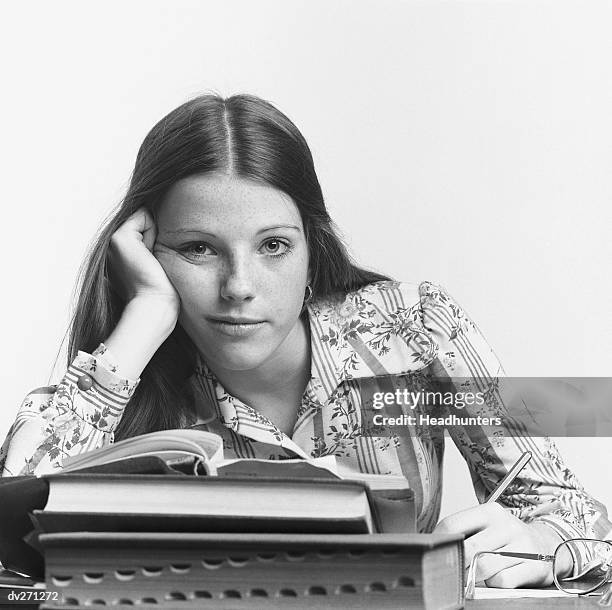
x: 250, y: 138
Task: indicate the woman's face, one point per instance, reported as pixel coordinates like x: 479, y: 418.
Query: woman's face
x: 236, y: 252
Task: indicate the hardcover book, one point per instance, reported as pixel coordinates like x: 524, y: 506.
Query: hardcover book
x: 256, y: 570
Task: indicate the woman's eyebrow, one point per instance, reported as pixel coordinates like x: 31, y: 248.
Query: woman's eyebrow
x: 183, y: 231
x: 273, y: 228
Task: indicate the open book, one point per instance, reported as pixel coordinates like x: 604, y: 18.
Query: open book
x: 294, y: 495
x: 173, y: 446
x: 204, y: 451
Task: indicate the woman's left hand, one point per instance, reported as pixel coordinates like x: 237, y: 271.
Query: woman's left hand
x: 491, y: 527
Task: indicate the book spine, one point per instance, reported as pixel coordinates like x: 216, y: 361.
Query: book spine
x: 393, y: 510
x: 444, y: 576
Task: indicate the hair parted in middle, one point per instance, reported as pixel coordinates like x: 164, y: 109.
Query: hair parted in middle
x: 244, y: 136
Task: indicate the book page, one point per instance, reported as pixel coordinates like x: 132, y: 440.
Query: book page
x: 164, y: 443
x: 327, y: 464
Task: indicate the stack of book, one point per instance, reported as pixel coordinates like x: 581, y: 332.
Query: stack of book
x: 131, y: 524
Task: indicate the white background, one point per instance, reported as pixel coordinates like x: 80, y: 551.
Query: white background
x: 468, y: 143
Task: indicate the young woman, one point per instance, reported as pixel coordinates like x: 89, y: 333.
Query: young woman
x: 220, y: 296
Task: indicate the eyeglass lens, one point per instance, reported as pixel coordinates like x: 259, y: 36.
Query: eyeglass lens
x: 582, y: 566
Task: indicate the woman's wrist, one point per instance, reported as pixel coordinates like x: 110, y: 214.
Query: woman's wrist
x: 164, y: 307
x: 146, y: 322
x: 550, y: 540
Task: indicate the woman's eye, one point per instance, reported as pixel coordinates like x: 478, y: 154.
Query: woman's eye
x: 275, y: 247
x: 197, y: 250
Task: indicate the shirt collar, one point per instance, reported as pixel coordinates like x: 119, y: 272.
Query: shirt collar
x: 234, y: 414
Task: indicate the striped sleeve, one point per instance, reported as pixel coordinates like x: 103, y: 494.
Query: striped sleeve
x: 546, y: 491
x: 81, y: 413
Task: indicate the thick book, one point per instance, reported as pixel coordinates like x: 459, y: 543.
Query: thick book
x: 236, y: 503
x: 256, y: 570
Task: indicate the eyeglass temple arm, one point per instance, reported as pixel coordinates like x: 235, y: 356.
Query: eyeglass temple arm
x: 535, y: 556
x: 470, y: 586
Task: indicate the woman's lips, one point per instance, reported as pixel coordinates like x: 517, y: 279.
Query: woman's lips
x: 236, y: 328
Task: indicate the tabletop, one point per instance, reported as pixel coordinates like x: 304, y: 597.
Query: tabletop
x: 523, y: 603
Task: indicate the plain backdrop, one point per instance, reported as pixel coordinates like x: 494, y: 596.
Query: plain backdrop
x: 468, y: 143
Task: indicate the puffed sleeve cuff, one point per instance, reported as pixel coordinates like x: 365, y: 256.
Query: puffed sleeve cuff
x: 97, y: 393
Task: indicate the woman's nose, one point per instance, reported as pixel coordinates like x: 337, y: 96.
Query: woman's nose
x: 237, y: 283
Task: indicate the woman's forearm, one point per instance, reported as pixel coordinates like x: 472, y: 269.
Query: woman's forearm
x: 144, y: 325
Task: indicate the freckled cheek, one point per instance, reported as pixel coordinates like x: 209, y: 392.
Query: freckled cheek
x: 194, y: 285
x: 285, y: 290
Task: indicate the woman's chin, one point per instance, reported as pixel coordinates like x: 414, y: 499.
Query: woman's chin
x: 238, y: 360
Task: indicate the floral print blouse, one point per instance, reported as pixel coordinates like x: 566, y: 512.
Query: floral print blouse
x: 373, y: 340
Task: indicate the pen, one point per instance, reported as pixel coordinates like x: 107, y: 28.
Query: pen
x: 512, y: 474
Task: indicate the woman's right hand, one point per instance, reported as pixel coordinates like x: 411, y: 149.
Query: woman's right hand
x: 152, y: 303
x: 134, y: 268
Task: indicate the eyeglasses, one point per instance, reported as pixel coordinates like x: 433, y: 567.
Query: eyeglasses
x: 580, y: 566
